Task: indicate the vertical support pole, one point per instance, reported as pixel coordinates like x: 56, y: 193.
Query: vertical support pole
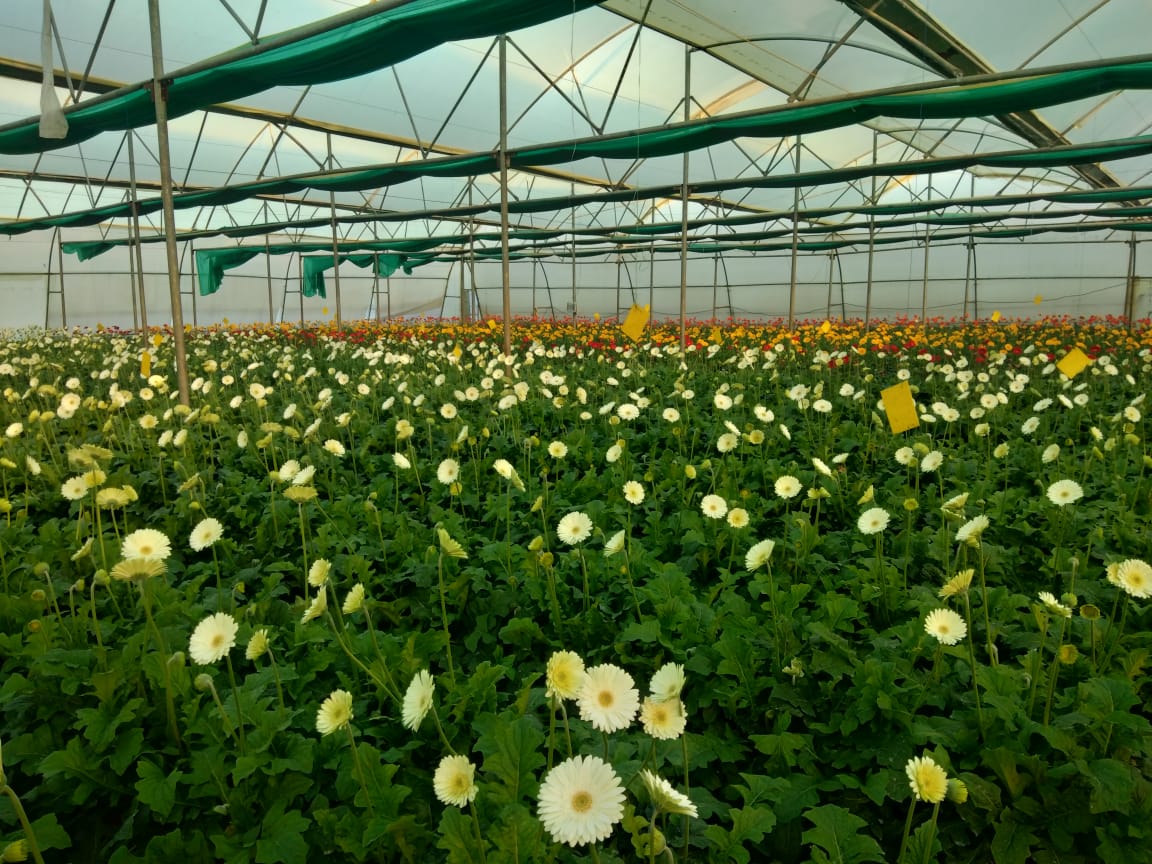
x: 268, y: 269
x: 534, y: 262
x: 651, y: 278
x: 871, y: 241
x: 684, y: 205
x: 388, y: 293
x: 137, y: 250
x: 575, y: 308
x: 132, y: 283
x: 376, y: 285
x: 335, y: 238
x: 300, y: 293
x: 617, y: 286
x: 924, y: 289
x: 192, y: 255
x: 795, y: 241
x: 505, y: 268
x: 715, y: 282
x: 48, y: 280
x: 471, y: 253
x: 828, y: 304
x: 159, y: 98
x: 64, y: 304
x: 1129, y: 284
x: 967, y: 276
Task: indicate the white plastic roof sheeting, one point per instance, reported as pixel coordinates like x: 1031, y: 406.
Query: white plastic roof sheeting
x: 612, y: 68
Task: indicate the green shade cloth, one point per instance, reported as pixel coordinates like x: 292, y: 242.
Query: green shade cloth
x: 358, y: 47
x: 315, y: 265
x: 957, y: 101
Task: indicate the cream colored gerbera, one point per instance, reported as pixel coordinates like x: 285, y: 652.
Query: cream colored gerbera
x: 664, y: 721
x: 581, y: 800
x: 608, y: 698
x: 947, y: 626
x: 1053, y: 605
x: 418, y: 700
x: 667, y: 683
x: 138, y: 569
x: 316, y: 608
x: 74, y: 488
x: 614, y: 544
x: 738, y: 517
x: 664, y: 797
x: 455, y: 781
x: 1135, y: 577
x: 574, y: 528
x: 633, y: 492
x: 714, y: 507
x: 928, y: 780
x: 448, y: 471
x: 206, y: 533
x: 958, y: 584
x: 335, y: 712
x: 565, y: 675
x: 787, y: 487
x: 971, y: 531
x: 318, y: 572
x: 557, y: 449
x: 759, y: 555
x: 147, y: 543
x: 873, y: 520
x: 1065, y: 492
x: 257, y: 645
x: 354, y: 601
x: 213, y: 638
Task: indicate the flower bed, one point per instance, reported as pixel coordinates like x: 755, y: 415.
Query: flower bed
x: 384, y: 594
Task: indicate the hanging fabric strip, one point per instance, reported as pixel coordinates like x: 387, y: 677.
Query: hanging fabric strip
x: 53, y: 124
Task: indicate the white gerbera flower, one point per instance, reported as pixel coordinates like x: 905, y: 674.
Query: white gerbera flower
x: 947, y: 626
x: 335, y: 712
x: 146, y: 543
x: 873, y: 520
x: 574, y: 528
x: 581, y: 799
x: 213, y: 638
x: 714, y: 507
x: 608, y: 698
x: 455, y: 781
x: 664, y: 797
x: 759, y: 555
x: 1064, y: 492
x: 206, y: 533
x: 418, y: 700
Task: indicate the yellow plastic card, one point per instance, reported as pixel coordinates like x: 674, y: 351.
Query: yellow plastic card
x: 996, y: 315
x: 900, y: 407
x: 1038, y: 299
x: 456, y: 352
x: 826, y: 326
x: 145, y: 365
x: 715, y: 335
x: 491, y: 323
x: 1073, y: 363
x: 634, y: 324
x: 157, y: 339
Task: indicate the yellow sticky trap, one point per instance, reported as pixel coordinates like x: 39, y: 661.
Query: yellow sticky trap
x: 145, y: 365
x: 157, y: 339
x: 826, y: 327
x: 900, y: 407
x: 491, y: 323
x: 457, y: 353
x: 996, y: 315
x: 1038, y: 299
x: 595, y: 316
x: 715, y: 335
x: 1073, y: 363
x: 324, y: 311
x: 634, y: 324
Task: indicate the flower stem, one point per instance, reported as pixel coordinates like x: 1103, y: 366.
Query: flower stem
x: 907, y: 831
x: 972, y: 663
x: 29, y: 834
x: 444, y: 617
x: 236, y: 697
x: 931, y: 834
x: 359, y: 768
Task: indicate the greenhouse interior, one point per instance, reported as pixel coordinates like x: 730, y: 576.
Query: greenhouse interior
x: 556, y: 430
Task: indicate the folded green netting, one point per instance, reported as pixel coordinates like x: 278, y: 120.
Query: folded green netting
x: 375, y: 42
